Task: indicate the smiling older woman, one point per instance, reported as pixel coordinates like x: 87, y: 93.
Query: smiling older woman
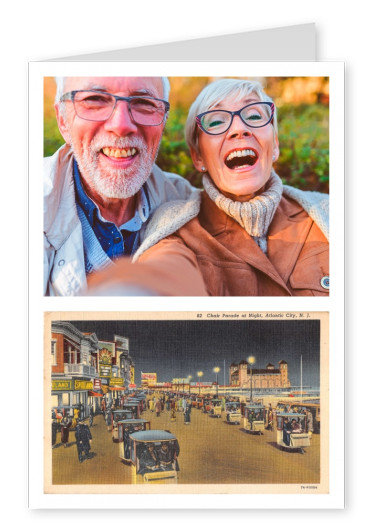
x: 246, y: 233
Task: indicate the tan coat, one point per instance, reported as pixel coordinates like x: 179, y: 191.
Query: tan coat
x: 213, y: 255
x: 231, y: 263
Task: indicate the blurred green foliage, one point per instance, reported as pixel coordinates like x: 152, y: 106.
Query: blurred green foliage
x: 303, y: 141
x: 173, y: 154
x: 304, y: 146
x: 52, y: 137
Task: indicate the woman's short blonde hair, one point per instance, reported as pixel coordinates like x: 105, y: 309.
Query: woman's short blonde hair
x: 216, y: 92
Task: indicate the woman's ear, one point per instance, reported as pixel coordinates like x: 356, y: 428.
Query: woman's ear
x: 197, y: 160
x: 62, y: 124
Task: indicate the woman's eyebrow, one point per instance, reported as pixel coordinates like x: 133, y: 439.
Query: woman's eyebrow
x: 246, y: 101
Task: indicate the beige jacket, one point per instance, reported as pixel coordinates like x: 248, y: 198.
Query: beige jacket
x: 64, y: 265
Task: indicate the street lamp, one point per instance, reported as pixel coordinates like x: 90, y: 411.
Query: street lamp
x: 199, y: 374
x: 216, y: 370
x: 251, y: 360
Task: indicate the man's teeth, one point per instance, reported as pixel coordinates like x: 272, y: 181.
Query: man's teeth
x: 119, y: 153
x: 241, y: 153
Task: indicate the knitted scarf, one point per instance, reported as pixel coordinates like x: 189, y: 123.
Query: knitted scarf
x: 255, y: 215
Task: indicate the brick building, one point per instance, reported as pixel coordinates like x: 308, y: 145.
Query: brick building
x: 270, y: 377
x: 84, y: 369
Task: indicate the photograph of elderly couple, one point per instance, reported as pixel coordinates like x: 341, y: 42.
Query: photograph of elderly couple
x: 186, y: 186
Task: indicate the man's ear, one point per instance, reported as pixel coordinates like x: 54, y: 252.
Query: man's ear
x: 61, y: 123
x: 197, y: 160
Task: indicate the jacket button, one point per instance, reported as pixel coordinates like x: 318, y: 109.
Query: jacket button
x: 61, y: 262
x: 325, y: 282
x: 117, y: 240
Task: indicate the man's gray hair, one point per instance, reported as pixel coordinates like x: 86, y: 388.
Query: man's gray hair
x: 216, y: 92
x: 60, y: 84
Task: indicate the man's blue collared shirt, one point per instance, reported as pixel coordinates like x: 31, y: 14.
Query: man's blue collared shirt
x: 115, y: 241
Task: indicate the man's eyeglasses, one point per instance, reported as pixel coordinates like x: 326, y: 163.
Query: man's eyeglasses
x: 98, y: 106
x: 253, y: 115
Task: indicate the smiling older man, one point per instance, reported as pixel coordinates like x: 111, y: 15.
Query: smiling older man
x: 102, y: 186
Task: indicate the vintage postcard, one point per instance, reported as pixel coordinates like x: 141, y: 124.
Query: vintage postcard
x: 186, y: 403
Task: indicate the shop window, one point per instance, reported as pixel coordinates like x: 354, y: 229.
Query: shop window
x: 53, y: 352
x: 65, y: 399
x: 72, y: 354
x: 54, y: 400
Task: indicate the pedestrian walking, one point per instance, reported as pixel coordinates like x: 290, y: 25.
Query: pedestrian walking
x: 83, y: 438
x: 65, y: 424
x: 270, y: 418
x: 151, y: 404
x: 187, y: 413
x: 54, y: 427
x: 108, y: 418
x: 76, y: 414
x: 158, y: 408
x: 91, y: 415
x: 309, y: 423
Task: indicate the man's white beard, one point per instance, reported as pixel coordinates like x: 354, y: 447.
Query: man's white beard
x: 115, y: 183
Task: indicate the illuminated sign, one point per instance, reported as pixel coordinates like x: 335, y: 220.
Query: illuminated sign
x: 105, y: 371
x: 148, y: 379
x: 149, y: 376
x: 83, y: 385
x: 116, y: 382
x: 106, y: 352
x: 96, y: 383
x: 62, y: 385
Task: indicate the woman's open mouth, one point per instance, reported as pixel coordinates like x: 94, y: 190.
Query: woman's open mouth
x: 241, y: 158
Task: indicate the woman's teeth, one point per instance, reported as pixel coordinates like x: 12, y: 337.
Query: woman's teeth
x: 119, y: 153
x: 241, y: 158
x: 241, y: 153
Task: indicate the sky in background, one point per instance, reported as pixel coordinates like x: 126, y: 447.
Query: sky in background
x: 176, y: 349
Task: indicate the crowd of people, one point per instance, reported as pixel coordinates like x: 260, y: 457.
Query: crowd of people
x: 172, y: 404
x: 159, y: 456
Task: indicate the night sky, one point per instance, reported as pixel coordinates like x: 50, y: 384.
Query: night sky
x: 176, y: 349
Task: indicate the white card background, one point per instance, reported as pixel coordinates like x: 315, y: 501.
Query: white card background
x: 38, y: 31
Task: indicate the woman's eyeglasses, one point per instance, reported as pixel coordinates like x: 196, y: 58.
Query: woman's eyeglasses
x: 254, y: 115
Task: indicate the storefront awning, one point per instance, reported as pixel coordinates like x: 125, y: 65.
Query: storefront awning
x: 95, y: 393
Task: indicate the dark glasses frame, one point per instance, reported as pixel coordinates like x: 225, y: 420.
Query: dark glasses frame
x: 236, y: 113
x: 72, y: 94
